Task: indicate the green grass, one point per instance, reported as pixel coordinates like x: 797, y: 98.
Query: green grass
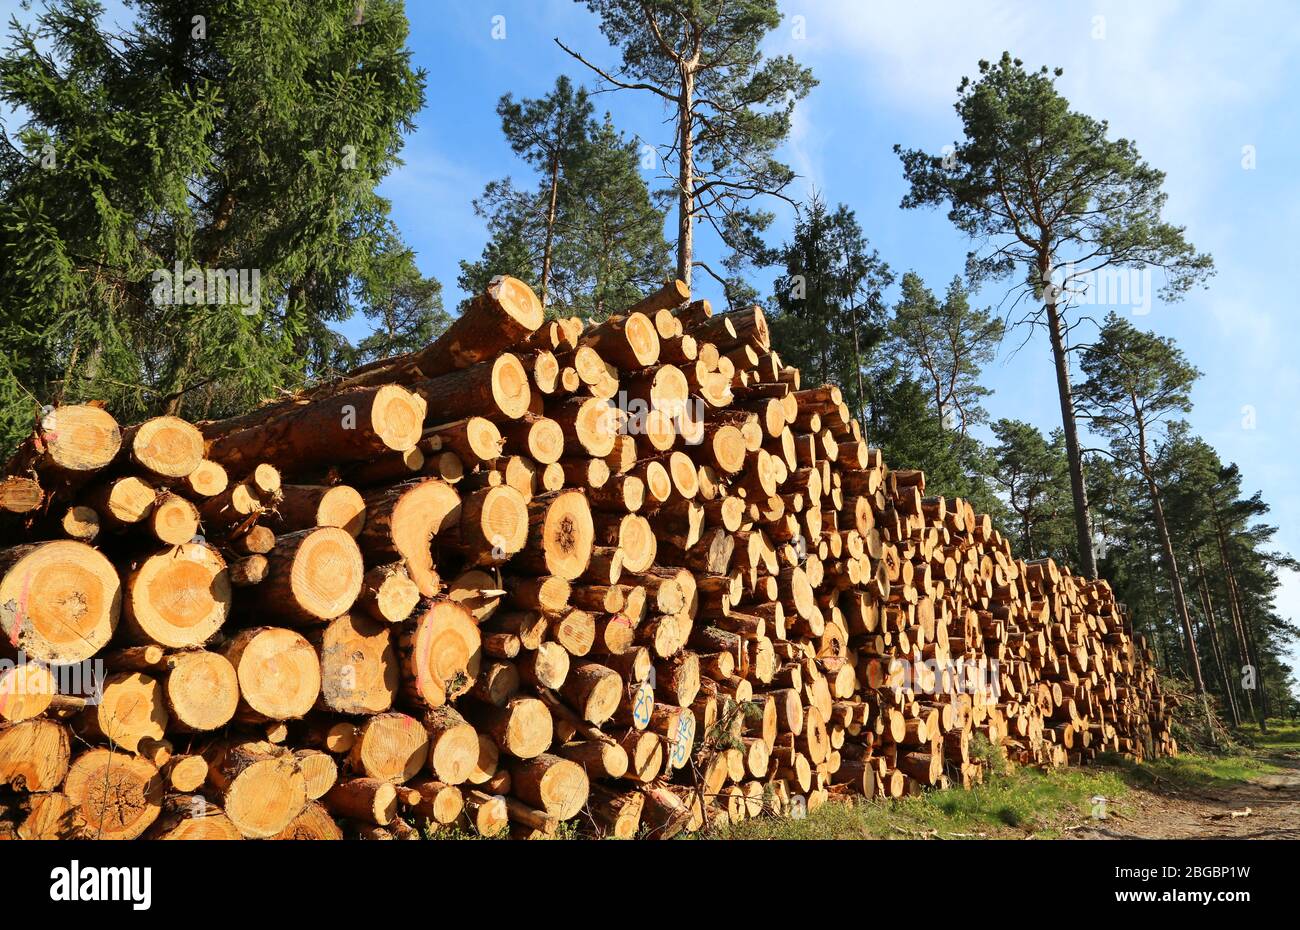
x: 1193, y: 771
x: 1024, y: 802
x: 1283, y: 736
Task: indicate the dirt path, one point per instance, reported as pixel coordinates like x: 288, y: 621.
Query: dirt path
x: 1165, y: 811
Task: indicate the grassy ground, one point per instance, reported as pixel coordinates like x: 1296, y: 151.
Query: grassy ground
x: 1020, y: 803
x: 1283, y: 736
x: 1027, y: 802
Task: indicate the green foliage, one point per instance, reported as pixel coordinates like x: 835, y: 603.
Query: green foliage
x: 946, y: 344
x: 829, y: 310
x: 1136, y: 380
x: 1053, y: 200
x: 1045, y: 187
x: 1032, y: 475
x: 992, y: 756
x: 612, y: 245
x: 248, y: 136
x: 588, y: 237
x: 831, y: 321
x: 1023, y: 801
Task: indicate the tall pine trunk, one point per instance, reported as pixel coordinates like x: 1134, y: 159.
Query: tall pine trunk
x: 1211, y: 621
x: 1175, y: 580
x: 550, y: 229
x: 1078, y: 486
x: 685, y: 178
x: 1245, y: 647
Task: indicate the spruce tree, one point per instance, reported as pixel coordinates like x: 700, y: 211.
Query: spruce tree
x: 154, y: 165
x: 1136, y: 382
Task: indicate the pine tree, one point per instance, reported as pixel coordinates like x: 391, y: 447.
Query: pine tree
x: 612, y: 249
x: 902, y: 424
x: 1058, y: 203
x: 730, y: 109
x: 1136, y: 382
x: 548, y: 133
x: 589, y: 234
x: 829, y: 305
x: 237, y: 139
x: 947, y: 344
x: 513, y: 237
x: 1032, y: 473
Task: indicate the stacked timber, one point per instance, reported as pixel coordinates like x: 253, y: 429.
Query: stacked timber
x: 633, y: 574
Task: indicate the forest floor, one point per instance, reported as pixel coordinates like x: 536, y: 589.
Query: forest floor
x: 1251, y: 792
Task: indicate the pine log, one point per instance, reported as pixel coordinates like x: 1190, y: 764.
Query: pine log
x: 360, y: 672
x: 59, y: 601
x: 261, y: 786
x: 349, y: 427
x: 312, y: 575
x: 279, y: 673
x: 163, y: 448
x: 391, y: 747
x: 177, y: 598
x: 401, y: 523
x: 439, y: 655
x: 34, y: 755
x: 303, y: 506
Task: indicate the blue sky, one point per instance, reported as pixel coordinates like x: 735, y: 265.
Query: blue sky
x: 1193, y: 83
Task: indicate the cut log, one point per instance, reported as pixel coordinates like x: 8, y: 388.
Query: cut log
x: 319, y: 770
x: 26, y: 690
x: 34, y: 755
x: 453, y: 745
x: 302, y: 506
x: 59, y: 601
x: 314, y: 823
x: 551, y: 784
x: 50, y: 816
x: 163, y: 447
x: 486, y: 813
x: 173, y: 520
x: 350, y: 427
x: 73, y: 442
x: 617, y: 814
x: 440, y: 656
x: 360, y: 673
x: 388, y: 594
x: 192, y: 818
x: 401, y: 523
x: 278, y: 671
x: 540, y: 438
x: 560, y: 537
x: 593, y: 690
x: 522, y: 728
x: 130, y: 709
x: 178, y: 598
x: 261, y: 786
x: 391, y: 747
x: 497, y: 390
x: 116, y: 796
x: 20, y: 495
x: 312, y: 575
x: 505, y: 313
x: 493, y: 526
x: 630, y: 342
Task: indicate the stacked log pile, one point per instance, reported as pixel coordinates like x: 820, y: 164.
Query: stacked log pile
x: 633, y: 575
